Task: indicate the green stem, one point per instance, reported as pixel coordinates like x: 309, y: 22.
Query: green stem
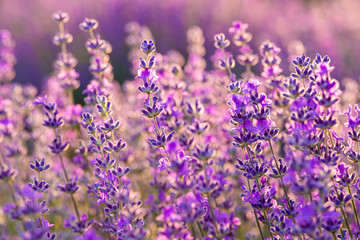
x: 63, y: 167
x: 116, y: 154
x: 342, y: 233
x: 228, y: 70
x: 167, y: 154
x: 12, y: 193
x: 218, y: 235
x: 281, y: 176
x: 344, y: 214
x: 258, y: 224
x: 75, y: 206
x: 334, y: 235
x: 91, y: 33
x: 354, y: 207
x: 346, y: 221
x: 200, y: 229
x: 156, y: 125
x: 268, y: 224
x: 310, y: 195
x: 192, y: 230
x: 71, y: 97
x: 256, y: 217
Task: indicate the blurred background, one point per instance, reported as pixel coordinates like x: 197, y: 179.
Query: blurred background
x: 329, y: 27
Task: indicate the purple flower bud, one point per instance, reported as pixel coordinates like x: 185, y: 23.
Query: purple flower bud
x: 70, y: 187
x: 203, y: 153
x: 152, y: 111
x: 57, y: 147
x: 61, y: 16
x: 53, y: 122
x: 110, y: 125
x: 89, y: 24
x: 87, y: 118
x: 61, y: 38
x: 220, y: 41
x: 6, y: 173
x: 39, y: 166
x: 147, y: 47
x: 332, y: 221
x: 104, y: 106
x: 161, y: 139
x: 38, y: 186
x: 120, y: 172
x: 105, y: 163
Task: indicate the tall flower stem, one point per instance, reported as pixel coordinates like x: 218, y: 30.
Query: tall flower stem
x: 64, y: 169
x: 67, y: 181
x: 344, y: 214
x: 12, y: 194
x: 157, y: 130
x: 211, y: 210
x: 11, y: 189
x: 218, y: 235
x: 256, y: 217
x: 354, y: 207
x: 75, y: 206
x: 64, y: 52
x: 281, y: 176
x: 200, y: 229
x: 258, y: 224
x: 258, y: 185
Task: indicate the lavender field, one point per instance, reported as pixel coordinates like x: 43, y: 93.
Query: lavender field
x: 162, y: 120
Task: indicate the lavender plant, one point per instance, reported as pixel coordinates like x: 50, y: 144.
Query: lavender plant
x: 182, y: 151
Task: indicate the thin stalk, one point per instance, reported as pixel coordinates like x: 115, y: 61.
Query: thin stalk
x: 167, y: 154
x: 258, y: 224
x: 116, y: 154
x: 248, y: 68
x: 157, y: 129
x: 228, y: 69
x: 281, y: 176
x: 346, y: 221
x: 325, y: 132
x: 63, y: 167
x: 38, y: 202
x: 310, y: 195
x: 358, y: 150
x: 264, y: 212
x: 344, y: 214
x: 200, y: 229
x: 156, y: 125
x: 91, y: 33
x: 303, y: 80
x: 218, y: 235
x: 71, y: 97
x: 211, y: 210
x: 256, y: 217
x: 354, y: 207
x: 63, y: 51
x: 334, y: 236
x: 192, y: 230
x: 67, y: 181
x: 342, y: 233
x: 75, y: 206
x: 12, y: 194
x: 331, y: 140
x: 268, y: 224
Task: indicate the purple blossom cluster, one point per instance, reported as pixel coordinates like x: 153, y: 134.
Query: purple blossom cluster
x: 182, y: 151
